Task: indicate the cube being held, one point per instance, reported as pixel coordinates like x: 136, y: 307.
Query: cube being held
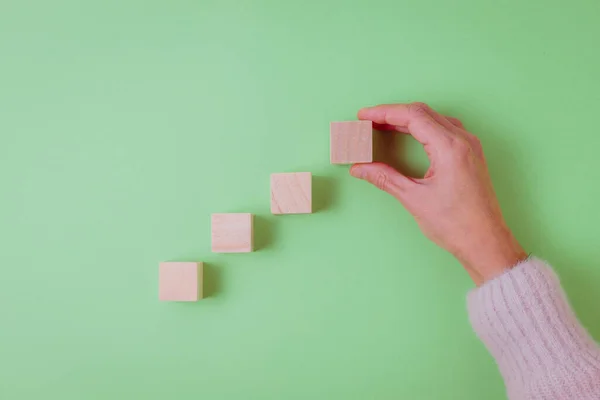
x: 291, y: 193
x: 180, y: 281
x: 351, y: 142
x: 232, y: 233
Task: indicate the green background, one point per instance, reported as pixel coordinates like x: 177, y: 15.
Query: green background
x: 125, y: 124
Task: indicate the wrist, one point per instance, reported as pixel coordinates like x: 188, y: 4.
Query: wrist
x: 491, y: 255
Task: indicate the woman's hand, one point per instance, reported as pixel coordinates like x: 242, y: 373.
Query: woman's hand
x: 454, y: 203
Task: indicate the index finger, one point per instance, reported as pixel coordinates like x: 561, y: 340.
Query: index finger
x: 413, y: 118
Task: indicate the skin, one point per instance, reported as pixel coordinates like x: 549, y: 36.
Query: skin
x: 454, y: 204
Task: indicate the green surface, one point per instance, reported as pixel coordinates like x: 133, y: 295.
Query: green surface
x: 124, y: 124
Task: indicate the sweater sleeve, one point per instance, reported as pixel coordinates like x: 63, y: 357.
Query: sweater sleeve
x: 528, y: 326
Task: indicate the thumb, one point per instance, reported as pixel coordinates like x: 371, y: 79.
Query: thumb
x: 382, y: 176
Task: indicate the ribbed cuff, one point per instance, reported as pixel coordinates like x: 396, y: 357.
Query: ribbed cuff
x: 525, y: 321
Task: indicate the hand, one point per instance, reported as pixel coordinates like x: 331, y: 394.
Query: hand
x: 454, y: 203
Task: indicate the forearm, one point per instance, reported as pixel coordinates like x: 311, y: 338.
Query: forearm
x: 525, y: 321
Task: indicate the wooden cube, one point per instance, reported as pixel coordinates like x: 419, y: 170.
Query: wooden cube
x: 291, y: 193
x: 351, y: 142
x: 180, y: 281
x: 232, y: 233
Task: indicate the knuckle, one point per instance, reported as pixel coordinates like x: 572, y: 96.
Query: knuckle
x: 381, y: 180
x: 475, y: 142
x: 425, y: 122
x: 460, y: 148
x: 457, y: 122
x: 418, y: 109
x: 447, y: 142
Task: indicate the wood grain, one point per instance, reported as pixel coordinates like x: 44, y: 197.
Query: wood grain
x: 351, y: 142
x: 232, y: 233
x: 291, y: 193
x: 180, y: 281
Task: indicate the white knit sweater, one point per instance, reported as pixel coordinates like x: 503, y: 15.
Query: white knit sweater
x: 526, y: 323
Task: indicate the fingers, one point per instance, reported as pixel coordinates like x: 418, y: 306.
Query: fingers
x: 388, y: 127
x: 418, y: 119
x: 444, y: 120
x: 456, y: 122
x: 382, y: 176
